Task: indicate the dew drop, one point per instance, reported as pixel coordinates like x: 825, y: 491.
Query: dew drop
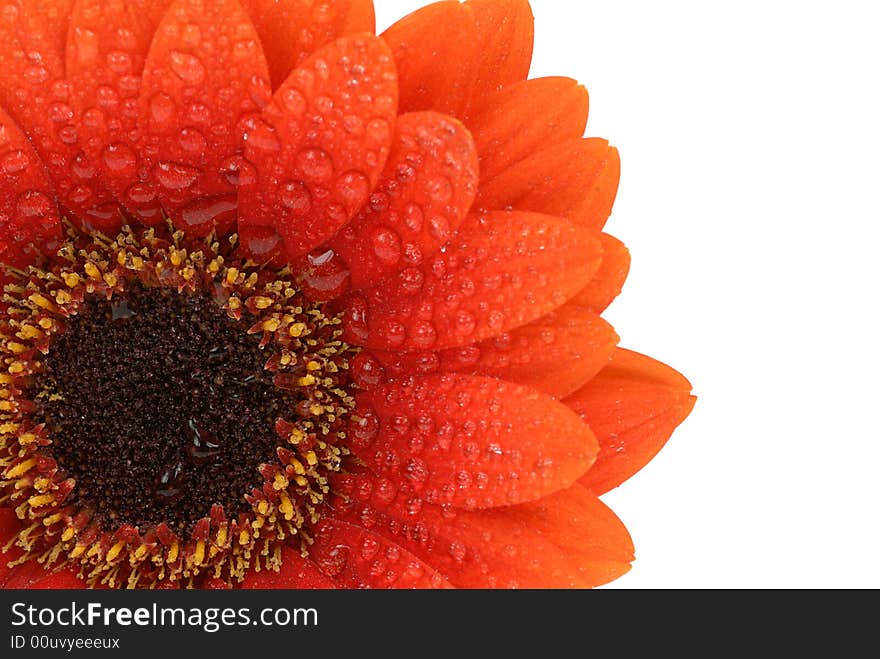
x: 439, y: 227
x: 168, y: 488
x: 333, y: 561
x: 14, y: 162
x: 416, y: 471
x: 140, y: 194
x: 261, y: 135
x: 365, y: 427
x: 259, y: 243
x: 119, y: 62
x: 191, y: 35
x: 120, y: 309
x: 325, y: 277
x: 202, y: 447
x: 238, y: 171
x: 386, y: 245
x: 187, y: 67
x: 33, y: 204
x: 295, y: 196
x: 204, y: 214
x: 294, y: 102
x: 191, y: 140
x: 86, y: 44
x: 352, y: 189
x: 379, y: 131
x: 465, y: 323
x: 162, y: 108
x: 413, y: 217
x: 119, y: 158
x: 174, y: 176
x: 315, y: 164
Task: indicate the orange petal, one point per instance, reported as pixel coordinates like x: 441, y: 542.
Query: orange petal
x: 608, y: 281
x: 33, y: 576
x: 470, y: 441
x: 29, y: 217
x: 105, y: 55
x: 56, y: 14
x: 587, y: 530
x: 34, y: 93
x: 555, y: 354
x: 296, y: 573
x: 450, y: 55
x: 204, y: 82
x: 357, y: 558
x: 425, y: 193
x: 633, y: 406
x: 505, y: 37
x: 503, y: 270
x: 576, y: 179
x: 320, y: 148
x: 525, y: 118
x: 434, y: 51
x: 291, y: 30
x: 567, y: 540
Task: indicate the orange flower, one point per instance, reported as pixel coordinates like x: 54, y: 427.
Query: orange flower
x: 288, y: 304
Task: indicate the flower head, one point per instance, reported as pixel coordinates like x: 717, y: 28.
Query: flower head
x: 289, y: 304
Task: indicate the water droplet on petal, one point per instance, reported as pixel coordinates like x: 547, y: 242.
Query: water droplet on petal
x: 187, y: 67
x: 261, y: 135
x: 162, y: 108
x: 352, y: 188
x: 238, y: 171
x: 259, y: 243
x: 203, y: 215
x: 325, y: 276
x: 294, y: 195
x: 119, y: 158
x: 85, y: 43
x: 192, y: 140
x: 333, y: 561
x: 119, y: 62
x: 14, y: 162
x: 386, y: 245
x: 174, y: 176
x: 33, y: 204
x: 294, y: 102
x: 315, y: 164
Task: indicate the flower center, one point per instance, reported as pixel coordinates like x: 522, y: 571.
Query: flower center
x: 168, y: 411
x: 186, y: 415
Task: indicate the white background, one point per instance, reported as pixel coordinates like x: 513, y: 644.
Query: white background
x: 750, y: 151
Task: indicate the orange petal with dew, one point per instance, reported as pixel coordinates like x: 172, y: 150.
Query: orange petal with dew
x: 451, y: 55
x: 633, y: 406
x: 105, y: 58
x: 555, y: 354
x: 525, y: 118
x: 35, y: 94
x: 424, y: 194
x: 291, y: 30
x: 320, y: 148
x: 502, y: 271
x: 566, y: 540
x: 29, y: 219
x: 357, y: 558
x: 470, y: 441
x: 608, y: 281
x: 296, y: 573
x: 204, y: 84
x: 576, y: 179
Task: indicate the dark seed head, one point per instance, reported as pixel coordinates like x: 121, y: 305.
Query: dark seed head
x: 158, y: 408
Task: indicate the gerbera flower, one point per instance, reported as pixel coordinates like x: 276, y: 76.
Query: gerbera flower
x: 288, y: 304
